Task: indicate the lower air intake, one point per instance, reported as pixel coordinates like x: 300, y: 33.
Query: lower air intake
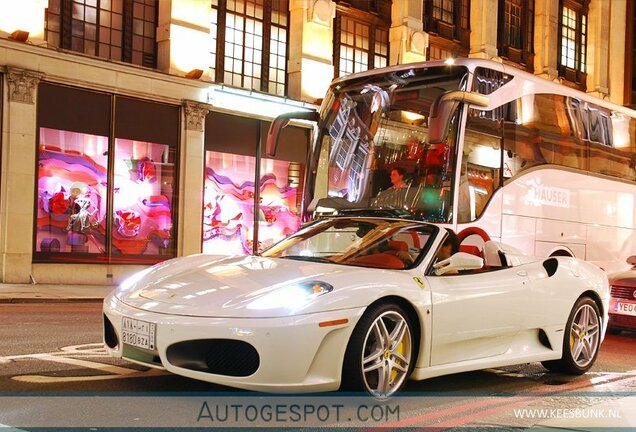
x: 218, y: 356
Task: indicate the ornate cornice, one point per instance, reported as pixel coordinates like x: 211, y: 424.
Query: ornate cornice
x: 195, y: 113
x: 22, y: 84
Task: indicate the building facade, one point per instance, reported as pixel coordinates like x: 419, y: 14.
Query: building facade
x: 131, y: 129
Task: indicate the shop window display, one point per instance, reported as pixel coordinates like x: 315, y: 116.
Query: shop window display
x: 228, y: 214
x: 72, y: 191
x: 143, y: 192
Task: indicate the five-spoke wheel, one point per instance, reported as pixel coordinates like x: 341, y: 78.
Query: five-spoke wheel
x: 582, y: 339
x: 380, y: 352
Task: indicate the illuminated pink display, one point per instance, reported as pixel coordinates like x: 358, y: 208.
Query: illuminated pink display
x: 71, y: 208
x: 228, y: 213
x: 72, y: 195
x: 142, y: 197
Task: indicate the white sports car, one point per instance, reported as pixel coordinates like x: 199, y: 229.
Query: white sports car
x: 359, y: 303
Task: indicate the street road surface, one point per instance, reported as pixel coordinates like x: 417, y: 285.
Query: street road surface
x: 56, y: 348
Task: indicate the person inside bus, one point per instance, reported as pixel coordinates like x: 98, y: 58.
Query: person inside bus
x: 397, y: 178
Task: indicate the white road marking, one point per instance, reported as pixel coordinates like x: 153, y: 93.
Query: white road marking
x: 87, y: 364
x: 66, y: 355
x: 44, y: 379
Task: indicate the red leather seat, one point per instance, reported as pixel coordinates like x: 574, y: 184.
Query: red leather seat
x: 398, y: 245
x: 381, y: 260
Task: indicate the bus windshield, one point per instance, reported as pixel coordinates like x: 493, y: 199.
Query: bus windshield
x: 373, y: 149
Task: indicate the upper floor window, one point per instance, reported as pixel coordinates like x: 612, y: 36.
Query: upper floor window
x: 444, y: 10
x: 122, y: 30
x: 359, y: 44
x: 516, y: 31
x: 573, y: 40
x: 447, y: 22
x: 249, y: 44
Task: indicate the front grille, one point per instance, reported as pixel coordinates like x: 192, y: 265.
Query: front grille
x: 218, y: 356
x: 233, y: 358
x: 623, y: 292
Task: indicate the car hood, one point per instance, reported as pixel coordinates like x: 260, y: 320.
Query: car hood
x: 213, y: 286
x: 625, y: 279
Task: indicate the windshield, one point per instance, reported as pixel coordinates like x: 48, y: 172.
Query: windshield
x: 365, y: 242
x: 373, y: 150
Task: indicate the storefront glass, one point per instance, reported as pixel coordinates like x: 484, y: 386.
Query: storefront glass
x: 143, y: 192
x: 229, y: 207
x: 72, y: 192
x: 106, y: 178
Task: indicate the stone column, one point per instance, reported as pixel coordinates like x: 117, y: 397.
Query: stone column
x: 483, y: 29
x: 310, y: 64
x: 598, y: 49
x: 408, y: 42
x: 618, y: 27
x: 18, y: 176
x: 546, y: 35
x: 191, y: 168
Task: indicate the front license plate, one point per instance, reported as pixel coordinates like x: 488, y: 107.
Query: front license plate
x: 625, y: 308
x: 138, y: 333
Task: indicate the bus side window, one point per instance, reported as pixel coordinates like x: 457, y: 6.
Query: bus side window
x: 618, y: 159
x: 543, y: 132
x: 481, y: 163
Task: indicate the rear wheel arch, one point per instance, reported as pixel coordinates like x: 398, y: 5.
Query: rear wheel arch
x: 562, y: 251
x: 582, y: 334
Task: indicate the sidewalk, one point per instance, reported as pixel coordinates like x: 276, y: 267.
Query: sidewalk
x: 45, y: 293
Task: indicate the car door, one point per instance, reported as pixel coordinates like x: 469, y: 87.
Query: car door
x: 477, y: 315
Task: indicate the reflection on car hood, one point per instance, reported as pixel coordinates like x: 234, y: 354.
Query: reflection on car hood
x: 203, y: 285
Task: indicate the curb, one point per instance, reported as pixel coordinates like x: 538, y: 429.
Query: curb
x: 51, y: 300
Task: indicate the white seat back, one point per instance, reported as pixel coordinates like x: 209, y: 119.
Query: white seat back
x: 494, y: 255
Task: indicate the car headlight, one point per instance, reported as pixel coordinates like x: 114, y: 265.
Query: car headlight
x: 291, y: 296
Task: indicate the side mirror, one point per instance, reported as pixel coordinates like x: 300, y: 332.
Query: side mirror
x: 632, y: 260
x: 281, y: 122
x: 444, y: 106
x: 459, y: 261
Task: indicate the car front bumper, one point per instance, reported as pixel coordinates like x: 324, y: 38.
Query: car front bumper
x: 296, y: 353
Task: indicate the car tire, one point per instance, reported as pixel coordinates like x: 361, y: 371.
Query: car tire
x: 382, y: 342
x: 581, y: 341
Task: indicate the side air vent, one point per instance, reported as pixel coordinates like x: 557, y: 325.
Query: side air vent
x: 543, y: 338
x: 550, y: 265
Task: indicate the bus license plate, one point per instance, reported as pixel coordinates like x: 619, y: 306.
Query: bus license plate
x: 625, y: 308
x: 138, y: 333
